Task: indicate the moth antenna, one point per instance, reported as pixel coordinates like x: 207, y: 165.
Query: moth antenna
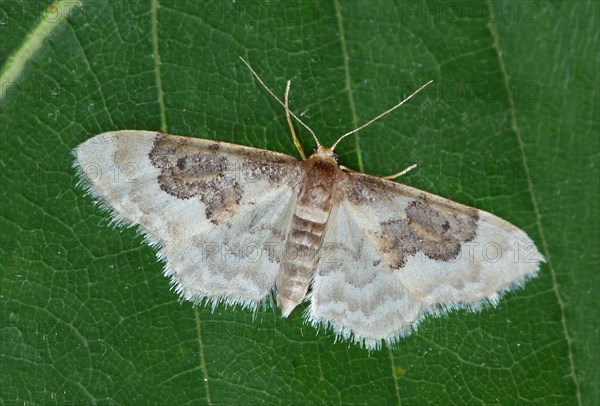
x: 289, y: 120
x: 382, y: 114
x: 279, y: 100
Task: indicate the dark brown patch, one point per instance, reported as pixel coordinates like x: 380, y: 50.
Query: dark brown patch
x: 398, y: 241
x: 257, y: 164
x: 441, y: 233
x: 187, y: 171
x: 254, y: 170
x: 221, y: 196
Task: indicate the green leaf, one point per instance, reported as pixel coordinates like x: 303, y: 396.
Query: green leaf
x: 510, y: 126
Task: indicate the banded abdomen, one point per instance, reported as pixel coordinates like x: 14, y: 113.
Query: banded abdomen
x: 305, y: 238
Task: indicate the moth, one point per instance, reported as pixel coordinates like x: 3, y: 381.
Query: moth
x: 233, y: 224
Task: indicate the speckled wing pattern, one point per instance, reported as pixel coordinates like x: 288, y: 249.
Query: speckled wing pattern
x: 217, y: 212
x: 394, y: 254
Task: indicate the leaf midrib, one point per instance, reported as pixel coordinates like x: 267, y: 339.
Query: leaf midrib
x: 355, y: 124
x: 15, y: 64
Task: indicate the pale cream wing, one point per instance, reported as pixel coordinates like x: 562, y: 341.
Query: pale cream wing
x: 217, y: 212
x: 393, y: 254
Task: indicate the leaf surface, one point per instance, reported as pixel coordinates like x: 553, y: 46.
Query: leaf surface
x: 510, y: 126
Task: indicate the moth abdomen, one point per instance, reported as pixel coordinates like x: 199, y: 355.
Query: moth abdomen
x: 305, y: 238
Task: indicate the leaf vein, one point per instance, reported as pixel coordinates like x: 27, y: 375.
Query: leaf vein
x: 155, y: 51
x: 348, y: 86
x: 517, y: 131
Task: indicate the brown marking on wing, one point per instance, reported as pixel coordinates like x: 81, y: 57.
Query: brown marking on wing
x: 435, y: 226
x: 188, y: 172
x: 217, y: 172
x: 397, y: 242
x: 222, y: 197
x: 255, y: 169
x: 438, y: 234
x: 441, y: 233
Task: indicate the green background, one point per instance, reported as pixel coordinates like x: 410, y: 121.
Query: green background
x: 510, y: 126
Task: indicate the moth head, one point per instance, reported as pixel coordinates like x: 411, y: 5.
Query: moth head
x: 324, y: 152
